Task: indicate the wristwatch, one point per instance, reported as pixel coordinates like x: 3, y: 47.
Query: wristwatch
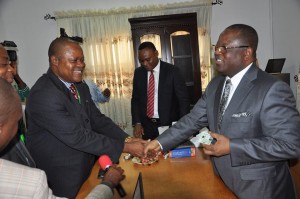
x: 128, y: 139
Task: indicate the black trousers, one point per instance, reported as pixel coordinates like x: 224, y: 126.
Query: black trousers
x: 151, y: 128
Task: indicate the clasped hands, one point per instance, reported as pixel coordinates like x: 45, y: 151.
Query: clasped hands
x: 136, y: 147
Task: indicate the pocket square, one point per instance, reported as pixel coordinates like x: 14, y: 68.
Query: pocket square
x: 243, y: 114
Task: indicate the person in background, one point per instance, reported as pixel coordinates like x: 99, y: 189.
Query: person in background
x: 170, y: 97
x: 6, y: 70
x: 97, y: 95
x: 19, y: 181
x: 21, y: 87
x: 66, y: 132
x: 17, y: 82
x: 257, y: 130
x: 15, y: 151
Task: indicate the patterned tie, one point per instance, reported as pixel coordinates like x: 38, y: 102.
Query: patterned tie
x: 73, y: 91
x: 223, y: 101
x: 150, y: 99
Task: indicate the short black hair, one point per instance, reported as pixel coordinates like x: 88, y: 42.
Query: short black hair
x: 246, y: 33
x: 57, y: 44
x: 147, y: 44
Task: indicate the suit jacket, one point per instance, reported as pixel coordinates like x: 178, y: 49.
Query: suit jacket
x: 64, y: 136
x: 173, y: 98
x: 18, y: 181
x: 262, y: 123
x: 17, y: 152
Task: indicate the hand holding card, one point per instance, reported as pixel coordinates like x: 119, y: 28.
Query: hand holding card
x: 205, y: 137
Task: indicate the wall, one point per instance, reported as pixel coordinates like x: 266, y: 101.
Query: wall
x: 286, y: 31
x: 23, y: 22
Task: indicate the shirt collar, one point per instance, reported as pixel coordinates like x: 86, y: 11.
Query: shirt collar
x: 67, y: 84
x: 235, y: 80
x: 157, y: 67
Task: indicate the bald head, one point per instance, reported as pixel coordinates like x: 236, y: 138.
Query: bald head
x: 10, y: 112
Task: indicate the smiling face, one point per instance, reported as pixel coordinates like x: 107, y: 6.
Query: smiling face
x: 68, y: 62
x: 230, y: 61
x: 5, y: 67
x: 235, y: 49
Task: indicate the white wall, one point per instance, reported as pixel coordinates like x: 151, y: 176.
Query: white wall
x: 276, y: 22
x: 286, y: 34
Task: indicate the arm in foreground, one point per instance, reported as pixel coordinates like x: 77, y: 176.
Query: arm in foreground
x: 112, y: 178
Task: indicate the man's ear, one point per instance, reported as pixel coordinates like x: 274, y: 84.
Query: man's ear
x: 54, y: 60
x: 248, y: 54
x: 156, y: 53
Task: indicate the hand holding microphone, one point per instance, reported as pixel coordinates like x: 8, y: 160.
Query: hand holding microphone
x: 113, y: 174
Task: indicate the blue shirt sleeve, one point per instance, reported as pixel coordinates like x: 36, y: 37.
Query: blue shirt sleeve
x: 97, y: 95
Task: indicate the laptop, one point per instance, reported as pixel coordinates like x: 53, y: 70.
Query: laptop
x: 275, y: 65
x: 139, y: 190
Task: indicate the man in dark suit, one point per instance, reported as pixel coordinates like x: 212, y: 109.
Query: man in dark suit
x: 171, y: 99
x: 20, y: 181
x: 258, y: 132
x: 66, y: 132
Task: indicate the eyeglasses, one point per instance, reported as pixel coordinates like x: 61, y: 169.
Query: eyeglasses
x: 223, y: 49
x: 5, y: 64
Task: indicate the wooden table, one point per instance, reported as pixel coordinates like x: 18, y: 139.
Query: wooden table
x: 184, y: 178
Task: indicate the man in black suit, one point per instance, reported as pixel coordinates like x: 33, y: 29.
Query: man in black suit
x: 66, y: 132
x: 171, y: 99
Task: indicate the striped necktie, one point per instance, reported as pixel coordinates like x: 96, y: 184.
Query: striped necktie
x: 150, y: 98
x: 74, y: 91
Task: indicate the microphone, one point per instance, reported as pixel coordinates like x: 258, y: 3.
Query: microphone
x: 105, y: 162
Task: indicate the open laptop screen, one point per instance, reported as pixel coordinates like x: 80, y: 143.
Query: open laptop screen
x: 139, y: 190
x: 275, y: 65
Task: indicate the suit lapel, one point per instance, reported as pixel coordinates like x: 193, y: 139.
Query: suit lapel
x: 161, y: 81
x: 61, y: 87
x: 241, y: 92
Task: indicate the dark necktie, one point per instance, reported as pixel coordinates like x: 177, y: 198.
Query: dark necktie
x: 223, y: 102
x: 150, y: 98
x: 74, y: 91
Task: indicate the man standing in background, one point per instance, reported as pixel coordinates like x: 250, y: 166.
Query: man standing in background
x: 159, y: 95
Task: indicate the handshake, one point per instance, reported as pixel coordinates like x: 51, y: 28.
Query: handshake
x: 137, y: 149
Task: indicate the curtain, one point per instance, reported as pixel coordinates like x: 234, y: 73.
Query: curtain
x: 108, y: 48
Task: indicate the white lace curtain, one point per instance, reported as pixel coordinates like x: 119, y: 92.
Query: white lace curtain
x: 108, y: 48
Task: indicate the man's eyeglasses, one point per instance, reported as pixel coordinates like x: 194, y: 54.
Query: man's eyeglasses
x: 5, y: 64
x: 223, y: 49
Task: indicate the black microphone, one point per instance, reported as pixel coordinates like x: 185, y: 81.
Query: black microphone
x: 105, y: 162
